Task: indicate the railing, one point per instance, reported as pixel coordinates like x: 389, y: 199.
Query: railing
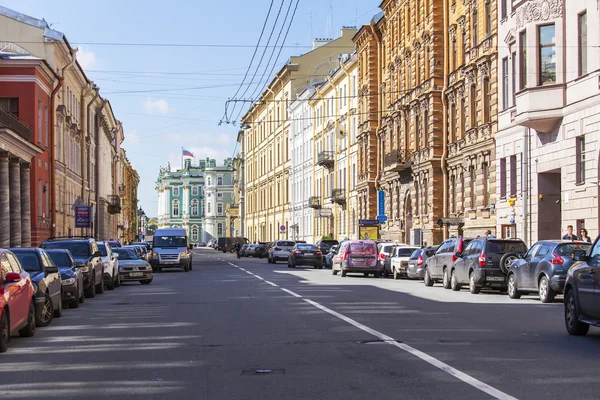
x: 314, y: 202
x: 338, y: 196
x: 325, y: 158
x: 396, y: 160
x: 13, y: 123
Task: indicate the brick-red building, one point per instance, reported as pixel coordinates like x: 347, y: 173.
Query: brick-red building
x: 26, y: 84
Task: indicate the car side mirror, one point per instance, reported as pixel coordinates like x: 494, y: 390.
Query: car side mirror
x: 12, y: 277
x: 98, y: 253
x: 51, y: 270
x: 458, y: 254
x: 580, y: 255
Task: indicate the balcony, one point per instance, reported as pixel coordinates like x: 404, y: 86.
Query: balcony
x: 396, y: 160
x: 326, y: 159
x: 13, y: 123
x: 540, y: 107
x: 338, y: 196
x: 314, y: 202
x: 114, y: 204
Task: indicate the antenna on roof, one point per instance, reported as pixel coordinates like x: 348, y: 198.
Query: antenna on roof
x: 329, y: 27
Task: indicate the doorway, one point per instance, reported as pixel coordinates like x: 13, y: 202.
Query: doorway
x: 407, y: 217
x: 549, y: 205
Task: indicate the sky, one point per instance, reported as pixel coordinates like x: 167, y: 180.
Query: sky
x: 173, y: 96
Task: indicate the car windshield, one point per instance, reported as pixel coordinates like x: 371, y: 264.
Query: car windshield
x: 404, y: 251
x: 386, y: 248
x: 506, y: 247
x: 102, y: 248
x: 170, y: 241
x: 363, y: 248
x: 126, y: 254
x: 309, y: 247
x: 29, y: 260
x: 290, y: 244
x: 416, y: 254
x: 567, y: 249
x: 60, y: 259
x: 78, y: 249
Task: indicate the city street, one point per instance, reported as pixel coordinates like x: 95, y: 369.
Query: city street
x: 245, y: 329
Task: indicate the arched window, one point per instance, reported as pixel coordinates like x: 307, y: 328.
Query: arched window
x: 175, y: 208
x: 195, y: 208
x: 176, y: 191
x: 195, y: 233
x: 194, y: 190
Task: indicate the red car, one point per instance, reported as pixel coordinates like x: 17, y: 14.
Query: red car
x: 17, y: 300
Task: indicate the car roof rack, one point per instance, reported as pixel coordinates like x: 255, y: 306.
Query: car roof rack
x: 57, y: 238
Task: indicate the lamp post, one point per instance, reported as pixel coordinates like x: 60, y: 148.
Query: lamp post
x: 141, y: 214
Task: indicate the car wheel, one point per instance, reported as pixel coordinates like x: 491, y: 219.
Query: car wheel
x: 82, y: 296
x: 446, y: 279
x: 547, y: 294
x: 506, y: 261
x: 111, y: 285
x: 44, y: 316
x: 75, y: 303
x: 386, y: 273
x: 454, y: 282
x: 427, y: 278
x: 396, y: 274
x: 343, y: 273
x: 4, y: 332
x: 29, y: 329
x: 190, y: 264
x: 365, y: 274
x: 289, y: 264
x: 472, y: 286
x: 100, y: 286
x: 333, y: 271
x: 90, y: 292
x: 574, y: 326
x: 513, y: 291
x: 118, y: 282
x: 273, y: 261
x: 377, y: 274
x: 146, y: 281
x: 59, y: 311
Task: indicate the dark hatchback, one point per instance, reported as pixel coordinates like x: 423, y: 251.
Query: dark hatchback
x: 45, y: 278
x: 485, y: 263
x: 438, y: 265
x: 260, y: 250
x: 543, y: 269
x: 305, y: 254
x: 582, y: 292
x: 71, y: 276
x: 416, y: 263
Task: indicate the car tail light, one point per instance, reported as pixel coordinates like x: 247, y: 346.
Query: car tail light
x: 420, y: 261
x: 277, y: 249
x: 345, y: 256
x: 482, y: 260
x: 12, y: 277
x: 297, y: 252
x: 382, y: 256
x: 317, y: 252
x: 556, y: 259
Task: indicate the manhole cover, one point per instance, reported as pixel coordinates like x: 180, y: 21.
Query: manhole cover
x: 263, y: 371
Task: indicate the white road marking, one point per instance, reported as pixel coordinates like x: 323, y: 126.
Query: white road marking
x: 468, y: 379
x: 290, y: 292
x: 260, y: 277
x: 250, y: 273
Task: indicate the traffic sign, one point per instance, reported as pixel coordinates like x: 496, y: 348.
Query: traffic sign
x: 381, y: 202
x: 381, y: 219
x: 282, y: 228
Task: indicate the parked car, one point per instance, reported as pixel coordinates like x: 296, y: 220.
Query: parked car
x: 329, y: 256
x: 399, y: 260
x: 543, y: 269
x: 110, y: 264
x: 445, y: 256
x: 71, y: 277
x: 145, y: 249
x: 384, y: 250
x: 305, y: 254
x: 582, y: 291
x: 357, y: 256
x: 243, y: 250
x: 136, y: 250
x: 485, y: 263
x: 325, y: 245
x: 45, y: 278
x: 280, y: 250
x: 250, y: 250
x: 201, y: 244
x: 417, y: 260
x: 114, y: 243
x: 260, y: 250
x: 17, y: 303
x: 87, y: 257
x: 133, y: 268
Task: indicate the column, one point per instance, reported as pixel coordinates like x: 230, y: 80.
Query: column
x: 26, y: 206
x: 14, y: 177
x: 4, y: 202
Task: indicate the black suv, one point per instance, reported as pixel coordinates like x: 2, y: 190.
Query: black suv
x: 88, y: 259
x: 485, y: 262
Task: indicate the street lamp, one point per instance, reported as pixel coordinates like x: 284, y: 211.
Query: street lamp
x: 141, y: 214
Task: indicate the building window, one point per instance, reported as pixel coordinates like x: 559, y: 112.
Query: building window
x: 514, y: 78
x: 547, y: 54
x: 452, y: 194
x: 175, y: 209
x: 473, y: 193
x: 219, y: 208
x: 486, y: 100
x: 209, y: 180
x: 463, y: 45
x: 486, y: 184
x: 219, y: 195
x: 503, y: 9
x: 417, y: 198
x: 39, y: 122
x: 463, y: 126
x: 194, y: 190
x: 46, y: 127
x: 513, y: 176
x: 475, y: 29
x: 176, y: 191
x: 426, y: 128
x: 505, y: 83
x: 452, y: 125
x: 454, y: 55
x: 523, y: 59
x: 208, y: 208
x: 472, y: 110
x: 583, y: 42
x: 580, y: 162
x: 503, y: 178
x: 488, y: 19
x: 195, y: 208
x: 194, y: 233
x: 220, y: 229
x: 425, y: 197
x: 219, y: 180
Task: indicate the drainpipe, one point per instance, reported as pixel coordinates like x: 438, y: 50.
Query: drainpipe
x: 379, y: 110
x: 445, y: 122
x: 525, y: 180
x: 88, y: 89
x: 89, y: 128
x: 61, y: 80
x: 97, y: 168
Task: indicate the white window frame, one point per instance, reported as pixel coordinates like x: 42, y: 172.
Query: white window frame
x: 175, y: 191
x: 219, y: 229
x: 219, y: 208
x: 173, y: 208
x: 194, y: 190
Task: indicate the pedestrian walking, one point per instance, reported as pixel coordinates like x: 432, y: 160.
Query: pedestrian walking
x: 569, y: 235
x: 488, y: 233
x: 236, y: 246
x: 584, y: 236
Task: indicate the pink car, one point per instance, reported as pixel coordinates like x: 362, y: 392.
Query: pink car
x: 357, y: 256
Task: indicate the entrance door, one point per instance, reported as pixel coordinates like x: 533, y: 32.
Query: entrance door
x: 407, y: 217
x: 549, y: 205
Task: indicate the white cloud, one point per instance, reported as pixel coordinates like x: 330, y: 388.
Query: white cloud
x: 86, y: 58
x: 131, y: 138
x: 156, y: 106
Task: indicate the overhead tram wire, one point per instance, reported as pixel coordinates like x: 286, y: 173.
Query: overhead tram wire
x: 280, y: 48
x: 227, y: 119
x: 260, y: 84
x: 252, y: 59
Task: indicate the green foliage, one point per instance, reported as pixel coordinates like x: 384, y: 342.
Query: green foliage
x: 327, y: 237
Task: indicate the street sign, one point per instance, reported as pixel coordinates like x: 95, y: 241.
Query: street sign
x: 381, y: 202
x: 83, y: 216
x: 381, y: 219
x: 282, y: 228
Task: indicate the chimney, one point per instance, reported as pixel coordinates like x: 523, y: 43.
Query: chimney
x: 318, y: 42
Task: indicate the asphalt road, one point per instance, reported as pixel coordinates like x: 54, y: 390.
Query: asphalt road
x: 244, y: 329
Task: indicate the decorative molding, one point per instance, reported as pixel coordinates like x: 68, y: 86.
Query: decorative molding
x: 462, y: 21
x: 540, y: 10
x: 452, y: 32
x: 470, y: 76
x: 451, y: 97
x: 483, y: 68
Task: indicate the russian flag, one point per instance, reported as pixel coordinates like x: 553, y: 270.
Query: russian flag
x: 186, y: 153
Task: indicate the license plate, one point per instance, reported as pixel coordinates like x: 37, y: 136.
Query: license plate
x: 170, y: 262
x: 494, y: 278
x: 308, y: 254
x: 134, y: 274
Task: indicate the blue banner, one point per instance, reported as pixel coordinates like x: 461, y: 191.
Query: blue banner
x: 381, y: 202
